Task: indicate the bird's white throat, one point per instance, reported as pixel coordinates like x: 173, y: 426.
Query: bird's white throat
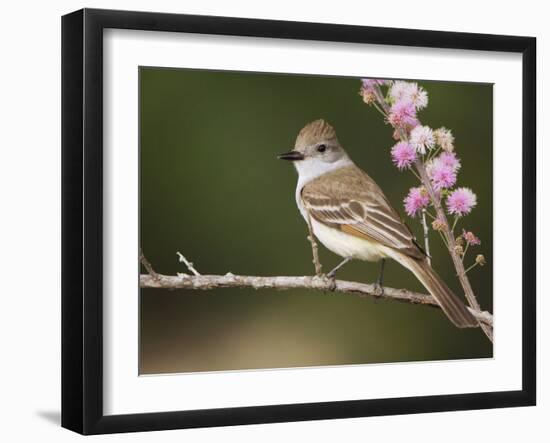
x: 311, y: 168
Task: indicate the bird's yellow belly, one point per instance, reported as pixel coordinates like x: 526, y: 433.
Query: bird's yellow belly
x: 347, y: 245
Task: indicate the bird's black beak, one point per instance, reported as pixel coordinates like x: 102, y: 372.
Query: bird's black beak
x: 292, y: 156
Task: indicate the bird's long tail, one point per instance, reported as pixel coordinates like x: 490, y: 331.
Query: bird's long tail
x: 451, y: 305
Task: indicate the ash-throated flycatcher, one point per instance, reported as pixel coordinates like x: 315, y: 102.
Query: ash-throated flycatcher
x: 352, y: 217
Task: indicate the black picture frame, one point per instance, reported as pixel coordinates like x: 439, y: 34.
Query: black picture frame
x: 82, y: 218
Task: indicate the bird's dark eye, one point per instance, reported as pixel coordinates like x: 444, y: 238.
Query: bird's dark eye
x: 322, y: 148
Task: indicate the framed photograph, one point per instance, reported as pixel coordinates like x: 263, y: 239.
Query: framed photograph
x: 269, y: 221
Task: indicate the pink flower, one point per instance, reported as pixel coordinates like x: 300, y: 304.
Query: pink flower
x: 449, y: 159
x: 403, y: 155
x: 442, y: 170
x: 403, y: 114
x: 470, y: 237
x: 416, y: 201
x: 461, y: 201
x: 419, y: 98
x: 399, y: 90
x: 422, y: 139
x: 441, y: 176
x: 410, y: 92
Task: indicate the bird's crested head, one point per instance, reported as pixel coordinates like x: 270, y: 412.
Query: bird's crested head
x: 315, y: 132
x: 317, y: 150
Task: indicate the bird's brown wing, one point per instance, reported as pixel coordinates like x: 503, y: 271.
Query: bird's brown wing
x: 349, y: 200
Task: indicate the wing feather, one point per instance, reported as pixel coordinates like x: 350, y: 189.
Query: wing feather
x: 349, y: 200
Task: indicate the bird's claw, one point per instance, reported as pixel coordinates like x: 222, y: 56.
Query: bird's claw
x: 330, y: 278
x: 378, y: 289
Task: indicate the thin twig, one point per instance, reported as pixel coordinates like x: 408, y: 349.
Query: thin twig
x: 434, y: 153
x: 379, y: 109
x: 380, y: 98
x: 465, y: 250
x: 205, y: 282
x: 443, y: 239
x: 147, y: 265
x: 187, y: 263
x: 454, y: 225
x: 426, y: 237
x: 415, y: 174
x: 430, y: 214
x: 314, y: 247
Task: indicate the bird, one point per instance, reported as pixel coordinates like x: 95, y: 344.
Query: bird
x: 350, y: 215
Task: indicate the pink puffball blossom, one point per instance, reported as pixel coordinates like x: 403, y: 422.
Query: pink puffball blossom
x: 418, y: 96
x: 442, y: 170
x: 422, y: 139
x: 410, y: 92
x: 461, y: 201
x: 441, y: 175
x: 399, y: 90
x: 403, y: 155
x: 445, y: 139
x: 416, y: 200
x: 403, y: 114
x: 470, y: 238
x: 449, y: 159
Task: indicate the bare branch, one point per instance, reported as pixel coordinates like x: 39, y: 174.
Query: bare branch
x: 205, y: 282
x: 187, y: 263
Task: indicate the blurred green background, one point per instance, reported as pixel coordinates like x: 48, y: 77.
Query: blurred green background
x: 212, y: 188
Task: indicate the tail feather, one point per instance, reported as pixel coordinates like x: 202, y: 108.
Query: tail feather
x: 451, y: 305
